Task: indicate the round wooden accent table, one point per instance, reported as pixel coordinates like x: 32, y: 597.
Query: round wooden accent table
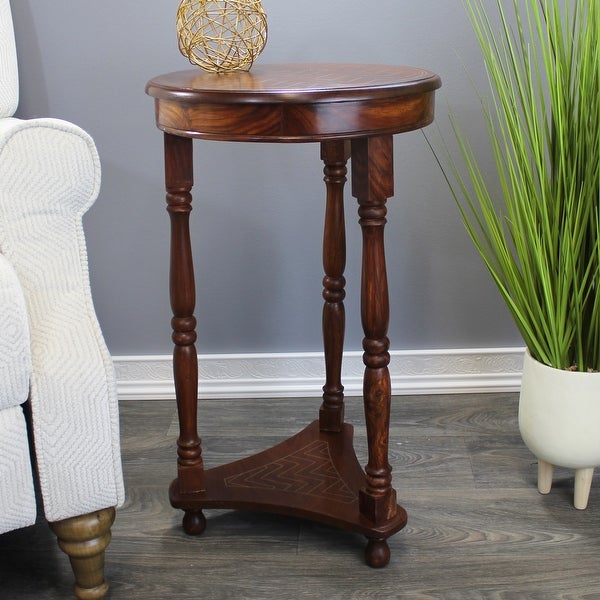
x: 353, y: 111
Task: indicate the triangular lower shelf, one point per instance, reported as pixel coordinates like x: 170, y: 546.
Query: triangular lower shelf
x: 313, y: 475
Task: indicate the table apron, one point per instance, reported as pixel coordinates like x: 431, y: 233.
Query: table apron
x: 290, y: 122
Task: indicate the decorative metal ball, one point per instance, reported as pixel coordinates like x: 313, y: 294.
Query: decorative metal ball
x: 221, y: 35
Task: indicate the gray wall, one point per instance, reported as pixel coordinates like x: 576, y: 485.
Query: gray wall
x: 257, y: 234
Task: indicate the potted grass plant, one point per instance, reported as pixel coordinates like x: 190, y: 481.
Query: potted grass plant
x: 535, y: 220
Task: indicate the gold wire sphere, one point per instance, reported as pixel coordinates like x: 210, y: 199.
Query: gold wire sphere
x: 221, y: 35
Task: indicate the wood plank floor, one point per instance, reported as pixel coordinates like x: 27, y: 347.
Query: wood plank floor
x: 477, y: 526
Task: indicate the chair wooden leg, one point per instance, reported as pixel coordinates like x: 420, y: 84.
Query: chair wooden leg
x: 84, y: 540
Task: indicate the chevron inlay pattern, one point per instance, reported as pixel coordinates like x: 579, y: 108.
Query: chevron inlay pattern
x: 308, y: 471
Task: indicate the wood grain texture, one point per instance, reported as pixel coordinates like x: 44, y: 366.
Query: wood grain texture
x: 477, y: 529
x: 335, y: 155
x: 330, y: 103
x: 294, y: 102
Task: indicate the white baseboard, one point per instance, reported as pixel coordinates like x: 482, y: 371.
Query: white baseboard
x: 302, y: 374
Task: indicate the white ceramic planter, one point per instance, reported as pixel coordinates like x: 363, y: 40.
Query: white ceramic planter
x: 559, y: 420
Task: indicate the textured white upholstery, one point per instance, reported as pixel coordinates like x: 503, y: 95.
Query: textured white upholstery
x: 49, y: 177
x: 15, y: 355
x: 9, y: 75
x: 17, y: 495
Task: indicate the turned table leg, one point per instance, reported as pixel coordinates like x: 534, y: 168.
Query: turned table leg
x: 335, y: 155
x: 84, y: 539
x: 372, y: 185
x: 179, y: 182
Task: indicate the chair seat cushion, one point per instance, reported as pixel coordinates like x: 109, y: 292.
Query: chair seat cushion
x: 17, y: 495
x: 15, y: 356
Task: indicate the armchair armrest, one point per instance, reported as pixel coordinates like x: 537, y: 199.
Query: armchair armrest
x: 49, y: 177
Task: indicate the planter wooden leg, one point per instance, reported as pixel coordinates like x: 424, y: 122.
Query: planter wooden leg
x: 84, y: 540
x: 583, y: 484
x: 545, y: 471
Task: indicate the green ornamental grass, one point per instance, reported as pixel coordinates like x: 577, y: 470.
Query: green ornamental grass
x: 536, y: 223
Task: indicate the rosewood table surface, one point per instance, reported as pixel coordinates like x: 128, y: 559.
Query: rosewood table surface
x: 352, y: 111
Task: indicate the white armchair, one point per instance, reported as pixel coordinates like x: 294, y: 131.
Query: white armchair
x: 51, y: 348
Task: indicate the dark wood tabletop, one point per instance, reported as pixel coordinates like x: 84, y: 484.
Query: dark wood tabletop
x: 294, y: 102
